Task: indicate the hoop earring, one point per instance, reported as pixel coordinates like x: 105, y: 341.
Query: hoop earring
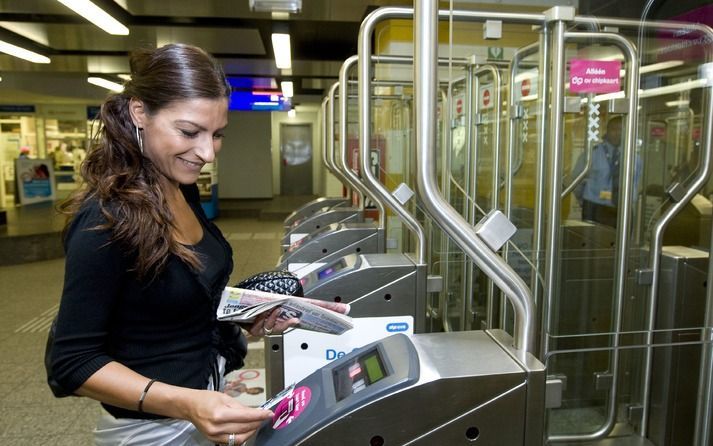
x: 139, y: 138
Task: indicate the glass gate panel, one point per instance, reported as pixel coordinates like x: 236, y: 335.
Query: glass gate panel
x: 608, y: 190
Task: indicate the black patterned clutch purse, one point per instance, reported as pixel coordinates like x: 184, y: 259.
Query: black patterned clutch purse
x: 279, y: 282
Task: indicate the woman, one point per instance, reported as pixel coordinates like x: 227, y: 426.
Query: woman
x: 137, y: 325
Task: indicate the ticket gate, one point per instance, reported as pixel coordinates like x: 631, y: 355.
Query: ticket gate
x: 373, y: 285
x: 334, y: 241
x: 324, y: 217
x: 430, y: 389
x: 308, y: 209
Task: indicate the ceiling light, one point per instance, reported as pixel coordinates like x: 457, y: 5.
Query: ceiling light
x: 126, y: 77
x: 22, y: 53
x: 292, y: 6
x: 292, y: 113
x: 97, y: 16
x: 287, y: 89
x: 34, y: 31
x: 281, y: 48
x: 104, y: 83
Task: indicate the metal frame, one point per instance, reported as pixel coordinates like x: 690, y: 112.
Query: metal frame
x: 511, y: 169
x: 657, y: 240
x: 425, y: 79
x: 344, y: 155
x: 365, y: 32
x: 353, y: 183
x: 554, y: 25
x: 625, y: 206
x: 328, y: 120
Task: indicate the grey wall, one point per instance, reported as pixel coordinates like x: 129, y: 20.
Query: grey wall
x: 245, y: 162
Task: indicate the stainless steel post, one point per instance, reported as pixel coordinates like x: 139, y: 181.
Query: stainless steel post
x: 538, y: 225
x: 553, y: 171
x: 446, y: 188
x: 470, y: 173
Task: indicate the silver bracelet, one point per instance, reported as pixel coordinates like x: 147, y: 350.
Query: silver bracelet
x: 143, y: 395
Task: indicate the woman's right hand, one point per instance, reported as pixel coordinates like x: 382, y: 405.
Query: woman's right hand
x: 217, y: 416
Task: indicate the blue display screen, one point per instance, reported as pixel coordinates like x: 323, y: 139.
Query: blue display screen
x: 259, y: 101
x: 331, y: 269
x: 325, y: 273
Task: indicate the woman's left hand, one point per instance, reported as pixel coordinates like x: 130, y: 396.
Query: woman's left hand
x: 270, y: 323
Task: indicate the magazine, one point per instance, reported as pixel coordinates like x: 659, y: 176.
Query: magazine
x: 240, y: 305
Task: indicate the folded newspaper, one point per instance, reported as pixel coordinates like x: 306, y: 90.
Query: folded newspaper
x: 240, y: 305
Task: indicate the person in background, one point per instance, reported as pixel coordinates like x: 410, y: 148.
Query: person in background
x: 136, y: 328
x: 598, y: 193
x: 78, y: 156
x: 58, y: 155
x: 66, y: 154
x: 24, y: 153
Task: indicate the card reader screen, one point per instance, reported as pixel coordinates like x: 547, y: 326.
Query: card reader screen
x: 358, y: 374
x: 331, y: 269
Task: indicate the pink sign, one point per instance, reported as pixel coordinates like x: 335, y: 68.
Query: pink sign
x: 594, y: 76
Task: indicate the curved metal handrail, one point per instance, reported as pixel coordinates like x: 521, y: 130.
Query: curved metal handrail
x: 425, y: 77
x: 658, y: 230
x: 326, y: 158
x: 365, y: 32
x: 510, y: 169
x: 323, y: 134
x: 343, y: 99
x: 331, y: 146
x: 518, y: 55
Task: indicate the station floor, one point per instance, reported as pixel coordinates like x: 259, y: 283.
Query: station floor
x: 29, y: 296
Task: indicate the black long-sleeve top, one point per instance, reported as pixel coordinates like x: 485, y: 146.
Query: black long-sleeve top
x: 163, y: 327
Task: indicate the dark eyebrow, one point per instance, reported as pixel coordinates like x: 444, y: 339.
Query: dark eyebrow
x: 200, y: 127
x: 183, y: 121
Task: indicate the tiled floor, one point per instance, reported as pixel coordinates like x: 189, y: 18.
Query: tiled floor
x: 29, y: 414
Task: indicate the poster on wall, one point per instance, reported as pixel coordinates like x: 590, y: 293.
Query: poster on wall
x: 35, y: 180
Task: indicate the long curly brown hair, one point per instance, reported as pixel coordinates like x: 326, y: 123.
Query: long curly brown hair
x: 125, y: 183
